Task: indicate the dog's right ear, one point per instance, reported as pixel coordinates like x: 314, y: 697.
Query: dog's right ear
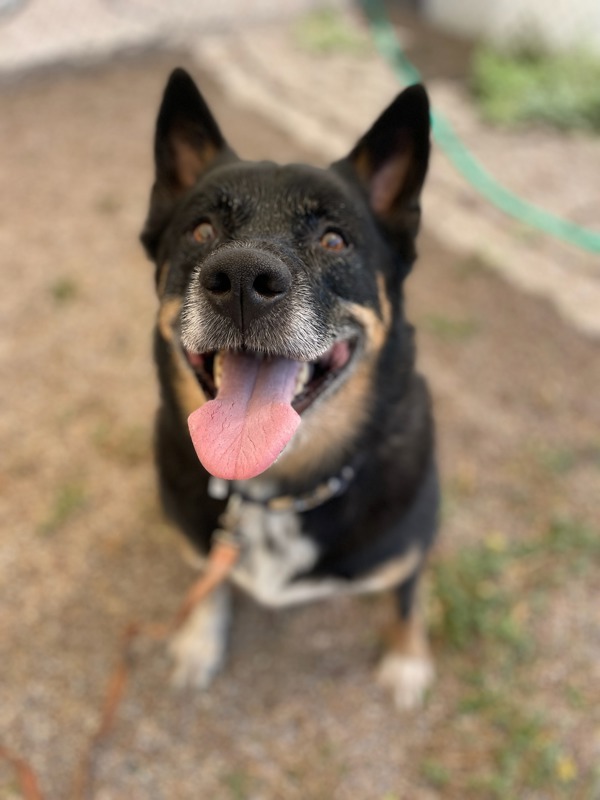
x: 187, y: 142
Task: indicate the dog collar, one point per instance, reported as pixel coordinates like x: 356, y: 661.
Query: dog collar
x: 335, y: 486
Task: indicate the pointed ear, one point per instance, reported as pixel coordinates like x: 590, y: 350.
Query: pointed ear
x: 390, y: 162
x: 186, y: 143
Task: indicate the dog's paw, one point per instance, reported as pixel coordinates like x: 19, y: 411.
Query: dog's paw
x: 198, y: 648
x: 408, y: 678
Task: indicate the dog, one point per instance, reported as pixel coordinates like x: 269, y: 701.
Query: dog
x: 290, y: 409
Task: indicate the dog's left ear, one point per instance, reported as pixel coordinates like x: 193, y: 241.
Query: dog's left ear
x: 187, y: 142
x: 390, y: 162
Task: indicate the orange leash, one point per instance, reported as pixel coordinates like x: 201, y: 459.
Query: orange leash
x: 26, y: 777
x: 222, y: 558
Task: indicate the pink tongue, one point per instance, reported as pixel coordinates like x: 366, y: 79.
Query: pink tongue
x: 241, y: 432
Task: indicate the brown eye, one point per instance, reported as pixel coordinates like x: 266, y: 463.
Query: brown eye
x: 204, y: 232
x: 331, y: 240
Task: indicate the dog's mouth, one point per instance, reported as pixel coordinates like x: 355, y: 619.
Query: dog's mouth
x: 312, y: 378
x: 255, y: 403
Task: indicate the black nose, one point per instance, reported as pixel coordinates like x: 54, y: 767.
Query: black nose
x: 244, y: 284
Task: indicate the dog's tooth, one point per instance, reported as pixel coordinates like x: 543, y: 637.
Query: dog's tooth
x: 217, y: 369
x: 303, y: 377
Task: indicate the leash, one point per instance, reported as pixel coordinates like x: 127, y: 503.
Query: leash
x: 26, y: 777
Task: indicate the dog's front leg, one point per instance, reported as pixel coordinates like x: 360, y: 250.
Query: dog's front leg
x: 198, y: 648
x: 407, y: 668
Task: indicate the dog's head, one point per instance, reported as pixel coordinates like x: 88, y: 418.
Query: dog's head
x: 281, y: 286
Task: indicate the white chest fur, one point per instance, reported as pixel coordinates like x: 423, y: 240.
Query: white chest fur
x: 273, y: 552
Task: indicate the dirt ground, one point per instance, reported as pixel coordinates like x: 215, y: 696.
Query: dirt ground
x: 296, y: 715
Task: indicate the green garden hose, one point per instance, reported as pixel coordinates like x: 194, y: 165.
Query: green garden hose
x: 389, y: 47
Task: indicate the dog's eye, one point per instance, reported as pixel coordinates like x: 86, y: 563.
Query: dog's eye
x: 204, y: 232
x: 332, y: 240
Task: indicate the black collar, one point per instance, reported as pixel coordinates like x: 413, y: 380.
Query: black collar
x: 335, y: 486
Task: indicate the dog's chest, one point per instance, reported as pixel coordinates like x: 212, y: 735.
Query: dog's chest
x: 273, y: 551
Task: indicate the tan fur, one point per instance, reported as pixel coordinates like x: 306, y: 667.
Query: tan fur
x: 408, y: 637
x: 161, y: 285
x: 187, y: 388
x: 167, y: 315
x: 384, y: 303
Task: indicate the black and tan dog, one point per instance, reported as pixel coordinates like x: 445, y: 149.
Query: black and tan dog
x: 289, y: 396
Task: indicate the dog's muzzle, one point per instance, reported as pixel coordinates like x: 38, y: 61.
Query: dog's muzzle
x: 263, y: 351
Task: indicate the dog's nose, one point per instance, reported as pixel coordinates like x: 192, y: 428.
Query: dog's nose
x: 244, y: 285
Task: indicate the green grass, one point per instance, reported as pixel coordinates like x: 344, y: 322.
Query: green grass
x: 125, y: 445
x: 474, y: 602
x: 237, y: 783
x: 474, y: 264
x: 524, y: 753
x: 451, y: 329
x: 64, y: 290
x: 475, y: 592
x: 69, y: 499
x: 526, y: 85
x: 328, y: 31
x: 575, y: 698
x: 435, y: 773
x: 557, y: 461
x: 562, y: 460
x: 485, y: 601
